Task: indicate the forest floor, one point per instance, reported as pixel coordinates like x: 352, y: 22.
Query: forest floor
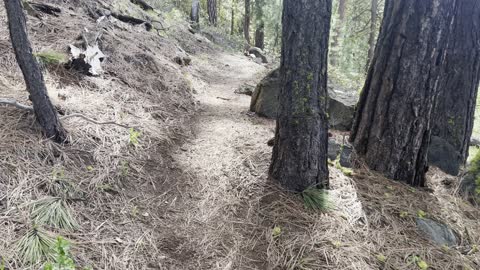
x: 188, y: 187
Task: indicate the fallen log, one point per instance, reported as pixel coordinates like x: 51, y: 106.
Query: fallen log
x: 144, y: 5
x: 132, y: 20
x: 44, y: 8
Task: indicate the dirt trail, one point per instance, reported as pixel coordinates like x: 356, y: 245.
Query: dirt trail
x: 220, y: 160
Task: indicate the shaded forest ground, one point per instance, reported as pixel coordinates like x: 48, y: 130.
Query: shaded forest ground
x: 193, y: 193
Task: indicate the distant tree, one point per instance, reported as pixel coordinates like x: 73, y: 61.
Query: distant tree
x: 260, y: 25
x: 212, y: 11
x: 373, y: 32
x: 299, y: 159
x: 195, y: 12
x: 338, y: 32
x: 455, y: 107
x: 232, y: 20
x: 246, y: 22
x: 44, y: 111
x: 391, y: 130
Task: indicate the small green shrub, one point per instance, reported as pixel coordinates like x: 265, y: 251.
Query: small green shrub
x: 134, y: 135
x: 62, y: 258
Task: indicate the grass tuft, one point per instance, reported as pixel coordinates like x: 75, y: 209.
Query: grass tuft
x: 35, y: 246
x: 53, y: 211
x: 51, y: 58
x: 317, y: 199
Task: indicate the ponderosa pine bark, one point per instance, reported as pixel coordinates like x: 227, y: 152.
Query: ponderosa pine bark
x: 212, y: 11
x: 44, y: 111
x: 392, y: 126
x: 299, y: 159
x: 246, y: 22
x: 455, y: 108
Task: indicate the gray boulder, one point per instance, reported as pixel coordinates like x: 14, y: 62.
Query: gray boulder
x: 265, y: 97
x: 336, y: 150
x: 437, y: 232
x: 444, y: 156
x: 341, y: 102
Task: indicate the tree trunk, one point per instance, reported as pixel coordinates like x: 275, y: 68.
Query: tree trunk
x: 260, y: 36
x: 212, y: 11
x: 246, y: 23
x: 299, y: 159
x: 195, y: 12
x: 391, y: 130
x: 373, y: 30
x: 342, y: 4
x: 232, y: 25
x: 455, y: 109
x: 260, y: 31
x: 44, y: 111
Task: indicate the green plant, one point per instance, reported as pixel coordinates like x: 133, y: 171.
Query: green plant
x: 316, y: 199
x: 276, y: 232
x: 124, y: 168
x: 53, y: 211
x: 62, y: 258
x: 134, y: 135
x: 35, y: 246
x: 421, y: 264
x: 421, y: 214
x: 51, y: 58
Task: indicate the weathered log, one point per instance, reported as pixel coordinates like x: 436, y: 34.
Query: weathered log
x: 132, y: 20
x: 144, y: 5
x: 44, y: 8
x: 258, y: 53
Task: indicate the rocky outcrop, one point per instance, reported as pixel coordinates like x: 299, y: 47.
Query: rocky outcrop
x: 341, y: 102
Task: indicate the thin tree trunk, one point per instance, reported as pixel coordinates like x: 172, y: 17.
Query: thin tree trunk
x: 391, y: 130
x: 260, y: 31
x: 338, y: 32
x: 260, y: 36
x: 455, y: 109
x: 195, y: 12
x: 246, y: 23
x: 212, y: 11
x: 299, y: 159
x: 232, y: 26
x: 373, y: 30
x: 44, y: 111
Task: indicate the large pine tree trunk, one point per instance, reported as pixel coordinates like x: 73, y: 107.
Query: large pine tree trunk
x: 337, y: 32
x: 212, y: 11
x: 44, y: 111
x: 373, y: 30
x: 246, y: 23
x: 299, y: 157
x: 391, y: 130
x: 455, y: 109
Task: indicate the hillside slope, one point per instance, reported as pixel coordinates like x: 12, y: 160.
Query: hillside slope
x: 186, y: 187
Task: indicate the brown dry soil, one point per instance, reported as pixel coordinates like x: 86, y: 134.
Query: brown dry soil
x: 193, y: 192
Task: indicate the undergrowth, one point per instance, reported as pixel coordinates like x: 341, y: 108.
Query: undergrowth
x: 317, y: 199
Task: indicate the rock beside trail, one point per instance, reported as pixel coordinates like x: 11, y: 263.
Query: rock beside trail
x: 342, y: 152
x: 341, y: 102
x: 437, y: 232
x: 444, y: 156
x: 265, y: 97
